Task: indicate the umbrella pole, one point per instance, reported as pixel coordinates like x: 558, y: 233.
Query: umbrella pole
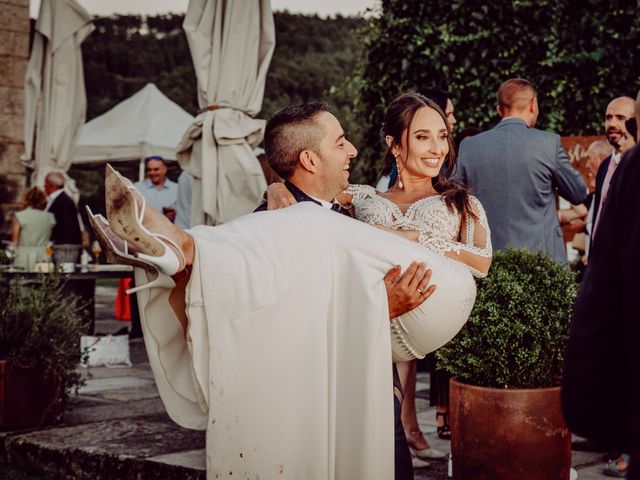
x: 141, y: 170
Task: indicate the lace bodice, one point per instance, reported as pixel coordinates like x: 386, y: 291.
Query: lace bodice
x: 439, y: 228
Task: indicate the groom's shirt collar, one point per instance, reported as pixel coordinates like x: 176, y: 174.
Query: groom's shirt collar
x: 300, y: 196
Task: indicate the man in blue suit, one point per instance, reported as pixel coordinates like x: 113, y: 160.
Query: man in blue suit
x: 515, y: 171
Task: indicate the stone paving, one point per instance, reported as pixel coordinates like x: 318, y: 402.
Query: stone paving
x: 117, y: 428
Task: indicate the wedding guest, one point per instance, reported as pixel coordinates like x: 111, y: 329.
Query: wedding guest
x: 67, y: 230
x: 159, y: 192
x: 515, y: 170
x: 596, y: 153
x: 618, y: 112
x: 31, y: 230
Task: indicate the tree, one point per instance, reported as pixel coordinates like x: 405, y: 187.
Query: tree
x: 578, y: 55
x: 312, y: 57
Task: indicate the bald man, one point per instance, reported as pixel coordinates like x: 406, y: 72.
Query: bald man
x: 601, y: 373
x: 618, y: 112
x: 515, y: 170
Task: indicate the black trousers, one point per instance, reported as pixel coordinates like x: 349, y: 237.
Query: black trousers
x: 403, y: 466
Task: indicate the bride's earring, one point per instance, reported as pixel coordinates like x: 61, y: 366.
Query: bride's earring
x: 400, y: 185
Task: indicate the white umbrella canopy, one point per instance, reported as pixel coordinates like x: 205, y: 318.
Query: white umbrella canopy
x: 55, y: 98
x: 145, y: 124
x: 231, y: 45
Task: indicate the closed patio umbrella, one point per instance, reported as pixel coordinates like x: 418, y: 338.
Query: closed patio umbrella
x: 231, y: 45
x: 55, y: 98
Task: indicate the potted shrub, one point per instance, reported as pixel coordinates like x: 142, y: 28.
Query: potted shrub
x: 40, y: 329
x: 506, y: 418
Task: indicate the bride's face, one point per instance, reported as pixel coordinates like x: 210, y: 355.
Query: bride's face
x: 422, y: 152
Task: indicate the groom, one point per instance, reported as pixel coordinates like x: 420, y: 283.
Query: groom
x: 306, y: 146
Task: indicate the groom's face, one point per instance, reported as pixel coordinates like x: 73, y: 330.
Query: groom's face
x: 334, y: 153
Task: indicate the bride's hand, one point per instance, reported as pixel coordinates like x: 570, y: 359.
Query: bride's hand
x: 411, y: 235
x: 278, y: 196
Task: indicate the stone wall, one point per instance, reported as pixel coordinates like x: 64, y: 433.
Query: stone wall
x: 14, y: 53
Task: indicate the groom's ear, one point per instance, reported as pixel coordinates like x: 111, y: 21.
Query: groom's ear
x: 309, y: 161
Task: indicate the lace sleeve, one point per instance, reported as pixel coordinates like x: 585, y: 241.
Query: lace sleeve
x: 474, y: 248
x: 360, y: 192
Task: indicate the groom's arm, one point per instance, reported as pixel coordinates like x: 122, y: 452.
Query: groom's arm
x: 407, y: 290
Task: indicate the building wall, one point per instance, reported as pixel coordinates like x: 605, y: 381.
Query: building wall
x: 14, y: 53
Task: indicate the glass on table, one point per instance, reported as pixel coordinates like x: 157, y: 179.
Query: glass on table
x: 96, y: 250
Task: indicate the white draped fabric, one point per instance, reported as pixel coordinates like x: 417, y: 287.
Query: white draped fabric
x: 287, y: 358
x: 55, y: 99
x: 231, y: 44
x: 145, y: 124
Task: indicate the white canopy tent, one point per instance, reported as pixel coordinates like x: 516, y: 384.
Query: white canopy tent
x: 147, y: 123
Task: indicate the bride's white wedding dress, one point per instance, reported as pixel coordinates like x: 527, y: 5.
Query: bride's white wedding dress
x: 286, y: 361
x: 420, y: 332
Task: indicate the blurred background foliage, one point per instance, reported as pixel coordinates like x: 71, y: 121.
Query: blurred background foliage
x: 578, y: 55
x: 313, y: 57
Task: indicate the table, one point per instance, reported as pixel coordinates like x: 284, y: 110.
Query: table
x: 82, y: 283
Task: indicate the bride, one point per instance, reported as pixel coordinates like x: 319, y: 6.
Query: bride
x: 271, y: 332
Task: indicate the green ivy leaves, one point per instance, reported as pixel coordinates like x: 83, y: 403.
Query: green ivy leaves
x: 578, y: 55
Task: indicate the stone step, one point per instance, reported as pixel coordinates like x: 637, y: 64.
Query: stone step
x: 150, y: 447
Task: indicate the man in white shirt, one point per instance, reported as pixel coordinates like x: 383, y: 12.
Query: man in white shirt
x: 158, y: 191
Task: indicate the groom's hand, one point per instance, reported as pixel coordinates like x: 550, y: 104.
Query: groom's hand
x: 407, y: 290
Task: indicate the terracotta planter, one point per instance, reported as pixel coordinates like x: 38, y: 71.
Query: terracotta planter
x: 28, y: 397
x: 508, y: 433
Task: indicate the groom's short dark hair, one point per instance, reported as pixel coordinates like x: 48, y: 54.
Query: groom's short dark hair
x: 289, y: 132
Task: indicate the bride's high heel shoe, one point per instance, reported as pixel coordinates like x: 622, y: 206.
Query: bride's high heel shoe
x: 117, y: 250
x: 126, y: 222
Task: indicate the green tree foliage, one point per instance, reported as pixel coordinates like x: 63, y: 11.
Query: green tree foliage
x: 125, y: 52
x: 312, y: 59
x: 579, y: 55
x: 313, y: 56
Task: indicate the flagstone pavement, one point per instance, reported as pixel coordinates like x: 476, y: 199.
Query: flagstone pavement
x: 117, y: 428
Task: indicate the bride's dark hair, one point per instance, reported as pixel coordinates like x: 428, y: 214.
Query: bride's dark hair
x: 397, y: 122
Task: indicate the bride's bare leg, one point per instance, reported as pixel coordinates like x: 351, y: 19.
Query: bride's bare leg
x: 177, y: 297
x: 409, y: 416
x: 156, y: 222
x: 121, y: 211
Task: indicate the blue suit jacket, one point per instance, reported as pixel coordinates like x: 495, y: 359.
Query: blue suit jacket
x: 515, y: 171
